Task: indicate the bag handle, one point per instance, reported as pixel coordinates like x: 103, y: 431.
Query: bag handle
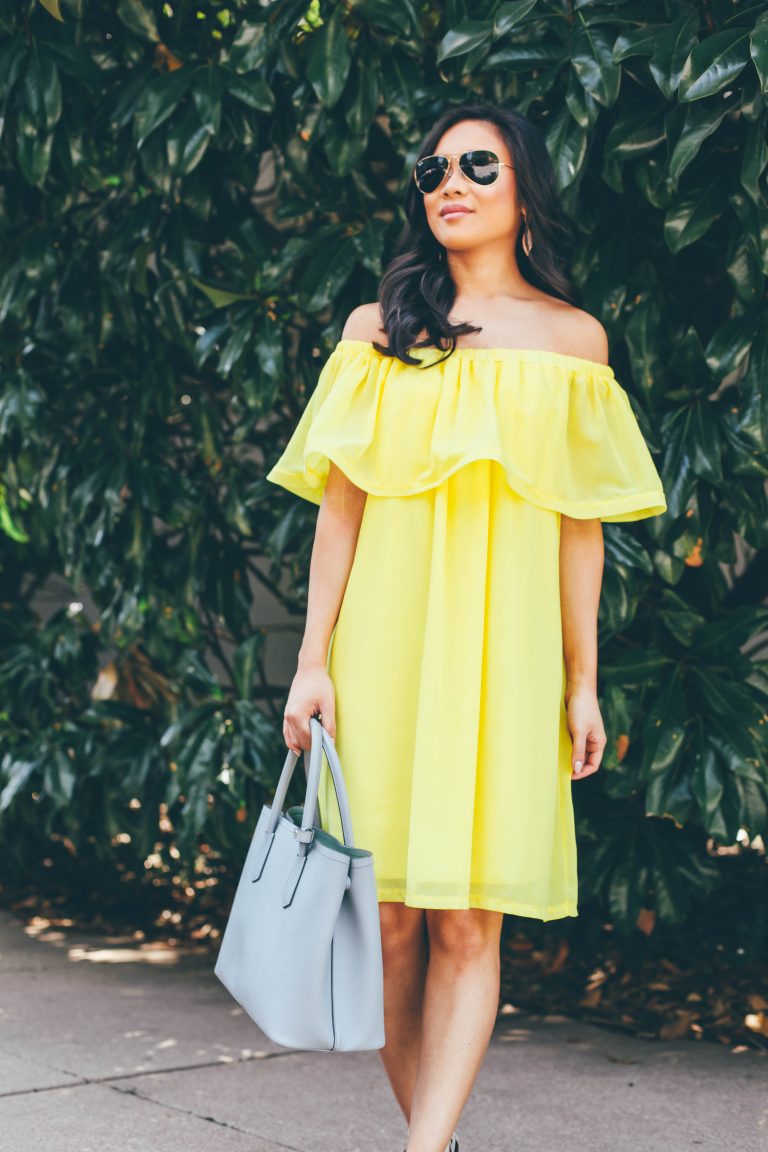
x: 321, y: 741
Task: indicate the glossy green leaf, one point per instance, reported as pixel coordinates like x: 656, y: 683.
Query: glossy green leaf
x: 249, y: 48
x: 755, y: 161
x: 714, y: 64
x: 246, y: 663
x: 707, y: 785
x: 674, y: 45
x: 730, y: 344
x: 706, y: 461
x: 139, y: 18
x: 17, y: 774
x: 745, y: 273
x: 642, y: 336
x: 523, y: 57
x: 343, y: 150
x: 626, y: 551
x: 728, y: 632
x: 567, y: 146
x: 154, y: 163
x: 59, y: 777
x: 701, y: 121
x: 691, y: 214
x: 326, y: 272
x: 159, y: 99
x: 664, y: 728
x: 642, y: 41
x: 253, y: 91
x: 582, y: 107
x: 54, y: 8
x: 727, y: 732
x: 758, y: 50
x: 220, y: 297
x: 369, y: 245
x: 510, y: 16
x: 34, y: 156
x: 635, y: 136
x: 625, y: 893
x: 637, y: 667
x: 42, y: 91
x: 8, y: 526
x: 362, y: 101
x: 592, y: 61
x: 187, y: 141
x: 680, y: 618
x: 329, y: 59
x: 400, y: 17
x: 671, y: 888
x: 465, y: 38
x: 676, y: 462
x: 207, y: 93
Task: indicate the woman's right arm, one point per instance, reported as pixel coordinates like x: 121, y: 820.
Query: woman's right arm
x: 333, y: 550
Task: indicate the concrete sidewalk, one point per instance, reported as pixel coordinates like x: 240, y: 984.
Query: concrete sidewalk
x: 117, y: 1046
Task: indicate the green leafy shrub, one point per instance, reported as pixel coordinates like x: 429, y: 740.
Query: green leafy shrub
x: 193, y: 199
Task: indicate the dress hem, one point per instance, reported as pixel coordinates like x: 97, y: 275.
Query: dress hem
x: 510, y: 907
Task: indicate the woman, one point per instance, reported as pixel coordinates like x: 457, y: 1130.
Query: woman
x: 451, y: 633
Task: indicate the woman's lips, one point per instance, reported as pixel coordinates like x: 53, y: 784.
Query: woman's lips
x: 449, y: 212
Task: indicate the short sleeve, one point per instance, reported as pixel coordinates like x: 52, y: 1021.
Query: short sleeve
x: 303, y: 466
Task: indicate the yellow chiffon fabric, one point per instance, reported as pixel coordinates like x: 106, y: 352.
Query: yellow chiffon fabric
x: 446, y: 657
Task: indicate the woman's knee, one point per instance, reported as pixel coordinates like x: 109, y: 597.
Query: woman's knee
x: 465, y: 934
x: 402, y: 927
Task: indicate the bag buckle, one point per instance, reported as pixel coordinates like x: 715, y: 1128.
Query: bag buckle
x: 304, y: 835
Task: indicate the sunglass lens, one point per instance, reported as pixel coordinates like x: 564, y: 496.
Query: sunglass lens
x: 481, y: 166
x: 429, y: 172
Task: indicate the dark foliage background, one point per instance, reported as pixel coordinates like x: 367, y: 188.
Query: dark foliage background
x: 194, y: 196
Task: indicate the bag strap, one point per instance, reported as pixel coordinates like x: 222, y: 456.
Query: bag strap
x: 340, y: 788
x: 321, y: 741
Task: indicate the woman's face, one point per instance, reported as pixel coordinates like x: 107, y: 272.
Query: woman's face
x: 492, y: 212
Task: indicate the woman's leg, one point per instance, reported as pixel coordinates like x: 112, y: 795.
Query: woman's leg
x: 404, y: 950
x: 461, y: 1001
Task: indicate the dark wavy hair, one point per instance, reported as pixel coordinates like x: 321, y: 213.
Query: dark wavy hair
x: 417, y: 291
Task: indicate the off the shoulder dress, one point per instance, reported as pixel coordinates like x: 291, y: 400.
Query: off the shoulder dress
x: 447, y: 655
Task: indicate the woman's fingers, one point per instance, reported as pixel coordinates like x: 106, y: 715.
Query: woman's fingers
x: 289, y: 736
x: 587, y: 754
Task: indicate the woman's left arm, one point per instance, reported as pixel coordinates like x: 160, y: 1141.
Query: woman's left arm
x: 581, y: 573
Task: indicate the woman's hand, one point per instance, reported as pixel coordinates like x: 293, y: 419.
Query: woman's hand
x: 585, y: 725
x: 311, y: 692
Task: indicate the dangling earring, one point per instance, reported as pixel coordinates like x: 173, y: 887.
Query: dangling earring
x: 527, y: 239
x: 440, y: 252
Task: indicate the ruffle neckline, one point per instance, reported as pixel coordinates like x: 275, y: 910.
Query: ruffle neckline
x: 561, y: 427
x: 532, y: 355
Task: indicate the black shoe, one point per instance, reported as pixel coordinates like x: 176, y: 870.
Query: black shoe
x: 453, y: 1144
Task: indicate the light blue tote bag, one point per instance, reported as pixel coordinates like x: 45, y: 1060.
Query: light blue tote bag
x: 301, y: 950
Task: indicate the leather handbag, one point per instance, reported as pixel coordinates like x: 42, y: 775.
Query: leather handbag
x: 301, y: 950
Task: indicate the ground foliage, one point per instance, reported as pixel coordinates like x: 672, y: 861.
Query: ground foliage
x: 194, y: 196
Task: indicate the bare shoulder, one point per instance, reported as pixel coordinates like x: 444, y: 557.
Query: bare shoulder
x: 364, y: 323
x: 581, y: 334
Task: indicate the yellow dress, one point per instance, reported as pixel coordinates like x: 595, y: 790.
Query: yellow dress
x: 447, y: 658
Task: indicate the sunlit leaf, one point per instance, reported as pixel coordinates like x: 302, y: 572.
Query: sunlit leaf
x: 714, y: 63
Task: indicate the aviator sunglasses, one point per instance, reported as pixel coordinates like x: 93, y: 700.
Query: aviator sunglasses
x: 479, y: 165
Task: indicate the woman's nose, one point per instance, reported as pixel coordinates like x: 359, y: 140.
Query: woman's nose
x: 453, y: 170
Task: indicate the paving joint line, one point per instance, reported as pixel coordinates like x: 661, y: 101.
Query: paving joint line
x: 209, y: 1119
x: 109, y: 1081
